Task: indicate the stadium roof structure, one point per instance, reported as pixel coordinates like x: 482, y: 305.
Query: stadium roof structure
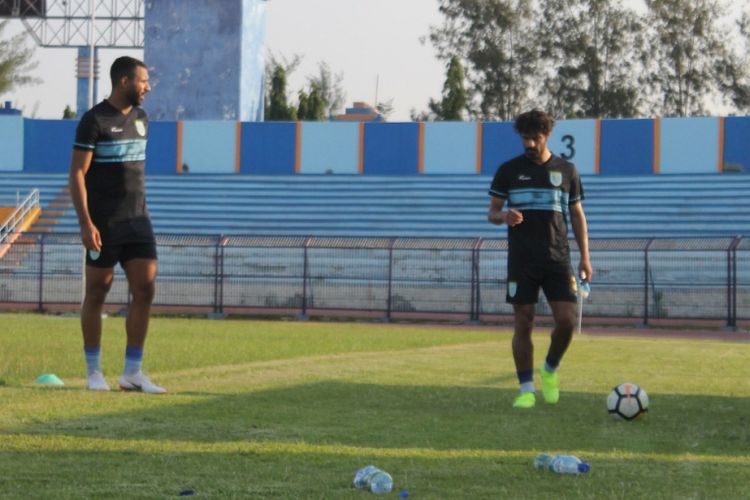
x: 80, y: 23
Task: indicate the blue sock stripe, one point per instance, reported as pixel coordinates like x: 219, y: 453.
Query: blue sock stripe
x: 92, y: 355
x: 525, y: 376
x: 133, y: 353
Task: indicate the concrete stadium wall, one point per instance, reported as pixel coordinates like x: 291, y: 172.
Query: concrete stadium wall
x: 209, y: 147
x: 187, y: 46
x: 48, y: 145
x: 577, y: 141
x: 329, y: 148
x: 391, y: 149
x: 706, y: 145
x: 162, y: 148
x: 737, y: 143
x: 268, y: 148
x: 450, y: 148
x: 688, y: 146
x: 11, y: 143
x: 627, y: 147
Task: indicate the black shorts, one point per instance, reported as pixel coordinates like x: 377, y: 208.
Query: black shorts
x: 556, y: 279
x: 123, y: 241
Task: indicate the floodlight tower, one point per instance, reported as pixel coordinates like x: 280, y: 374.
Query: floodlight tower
x: 87, y: 25
x: 205, y: 57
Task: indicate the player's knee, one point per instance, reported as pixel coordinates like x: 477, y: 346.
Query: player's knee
x: 144, y: 292
x: 97, y: 292
x: 566, y: 323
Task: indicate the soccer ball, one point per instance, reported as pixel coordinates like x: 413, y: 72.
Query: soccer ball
x: 627, y: 402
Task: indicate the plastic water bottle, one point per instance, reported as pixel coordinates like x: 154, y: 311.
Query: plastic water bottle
x: 361, y: 475
x: 543, y: 461
x: 561, y: 464
x: 585, y: 289
x: 373, y: 479
x: 380, y: 482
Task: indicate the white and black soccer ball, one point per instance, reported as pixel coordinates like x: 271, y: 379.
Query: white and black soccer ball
x: 627, y: 402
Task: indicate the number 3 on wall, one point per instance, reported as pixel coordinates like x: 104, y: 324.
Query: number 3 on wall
x: 569, y: 141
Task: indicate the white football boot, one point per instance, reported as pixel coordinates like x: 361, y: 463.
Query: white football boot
x: 140, y: 382
x: 96, y: 382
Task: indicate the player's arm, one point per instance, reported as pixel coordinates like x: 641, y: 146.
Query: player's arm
x: 581, y: 232
x: 79, y: 165
x: 497, y: 215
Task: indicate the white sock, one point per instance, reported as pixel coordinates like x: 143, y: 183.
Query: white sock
x: 528, y: 387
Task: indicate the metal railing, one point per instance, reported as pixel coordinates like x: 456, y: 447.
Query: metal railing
x: 643, y: 279
x: 23, y: 208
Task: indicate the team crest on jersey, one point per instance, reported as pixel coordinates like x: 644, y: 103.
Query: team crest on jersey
x: 512, y: 288
x: 555, y: 178
x: 140, y: 127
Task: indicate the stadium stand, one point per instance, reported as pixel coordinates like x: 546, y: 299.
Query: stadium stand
x: 690, y: 205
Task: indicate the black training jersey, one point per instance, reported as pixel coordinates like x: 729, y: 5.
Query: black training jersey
x: 542, y: 193
x: 114, y: 181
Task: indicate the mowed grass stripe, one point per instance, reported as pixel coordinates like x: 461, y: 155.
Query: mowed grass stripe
x: 25, y: 443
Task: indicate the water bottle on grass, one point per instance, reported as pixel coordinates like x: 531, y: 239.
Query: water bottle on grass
x: 373, y: 479
x: 561, y: 464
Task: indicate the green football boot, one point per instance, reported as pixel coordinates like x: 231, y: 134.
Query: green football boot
x: 550, y: 386
x: 525, y: 400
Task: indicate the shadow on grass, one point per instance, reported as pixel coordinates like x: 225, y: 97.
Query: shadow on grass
x: 406, y: 416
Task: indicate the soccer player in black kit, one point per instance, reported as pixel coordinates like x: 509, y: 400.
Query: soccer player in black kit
x: 542, y: 192
x: 107, y: 187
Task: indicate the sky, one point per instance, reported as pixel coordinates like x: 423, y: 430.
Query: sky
x: 374, y: 44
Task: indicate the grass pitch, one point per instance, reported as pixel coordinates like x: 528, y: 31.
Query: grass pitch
x: 291, y: 409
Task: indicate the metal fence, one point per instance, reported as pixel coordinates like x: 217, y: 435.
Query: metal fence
x: 634, y: 278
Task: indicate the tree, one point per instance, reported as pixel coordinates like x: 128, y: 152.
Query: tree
x: 330, y: 89
x: 592, y: 54
x: 384, y: 108
x: 278, y: 109
x: 311, y: 105
x: 15, y: 61
x: 685, y: 44
x: 491, y: 38
x: 68, y: 114
x: 277, y: 70
x: 733, y: 73
x: 453, y: 103
x: 302, y: 105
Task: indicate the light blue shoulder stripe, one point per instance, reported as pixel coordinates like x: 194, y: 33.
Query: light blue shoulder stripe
x: 120, y: 159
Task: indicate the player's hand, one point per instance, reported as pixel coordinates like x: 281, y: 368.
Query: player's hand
x: 91, y: 238
x: 585, y: 271
x: 513, y: 217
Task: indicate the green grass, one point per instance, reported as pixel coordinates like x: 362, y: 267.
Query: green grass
x: 273, y: 409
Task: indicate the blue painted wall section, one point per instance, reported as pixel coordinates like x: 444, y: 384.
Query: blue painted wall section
x: 11, y: 143
x: 689, y: 146
x: 627, y: 147
x: 737, y: 142
x: 268, y: 148
x: 48, y: 145
x: 330, y: 148
x: 500, y: 143
x: 575, y: 141
x: 450, y: 148
x: 205, y: 59
x: 209, y: 147
x: 391, y: 149
x: 161, y: 149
